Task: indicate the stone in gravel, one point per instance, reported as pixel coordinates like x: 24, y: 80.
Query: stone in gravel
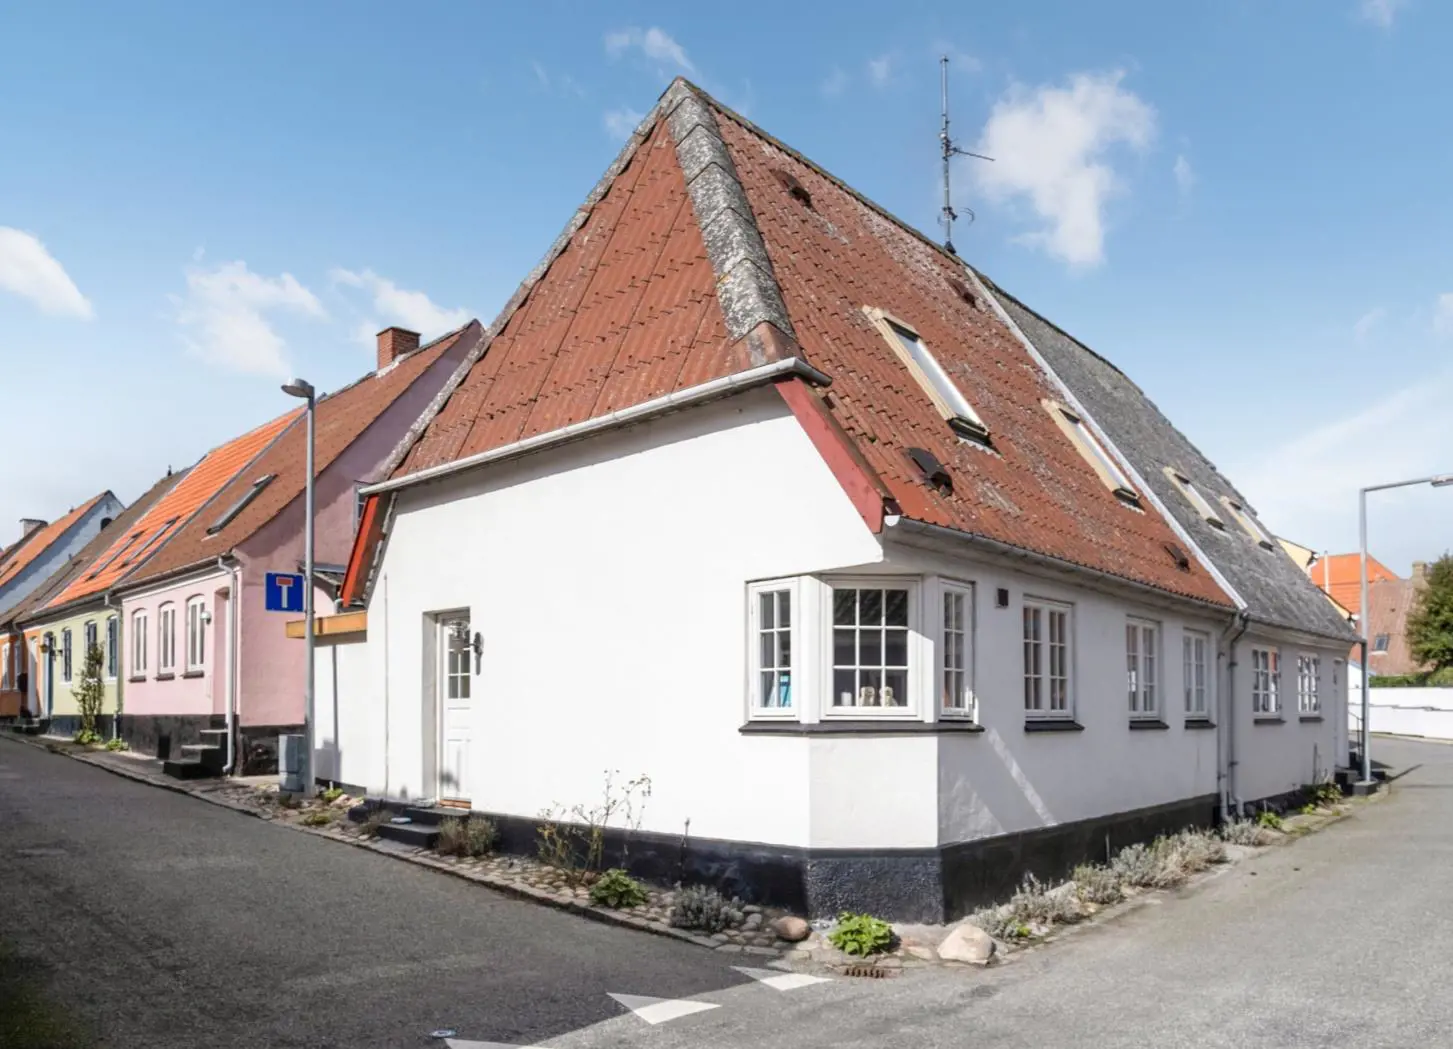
x: 791, y: 929
x: 751, y: 908
x: 720, y: 937
x: 923, y: 954
x: 967, y: 943
x: 753, y: 920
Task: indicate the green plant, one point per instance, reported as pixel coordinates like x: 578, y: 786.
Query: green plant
x: 1134, y: 865
x: 618, y: 890
x: 1000, y: 922
x: 376, y: 818
x: 289, y: 801
x: 1324, y: 794
x: 860, y: 934
x: 702, y: 907
x: 1244, y: 832
x: 1430, y: 622
x: 473, y: 837
x: 1097, y: 884
x: 117, y: 744
x: 573, y: 841
x: 86, y: 737
x: 317, y: 818
x: 332, y: 794
x: 1268, y: 819
x: 90, y: 693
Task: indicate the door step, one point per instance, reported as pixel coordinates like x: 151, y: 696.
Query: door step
x: 421, y: 836
x: 188, y: 768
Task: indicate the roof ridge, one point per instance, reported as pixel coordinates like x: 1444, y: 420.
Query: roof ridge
x: 378, y: 373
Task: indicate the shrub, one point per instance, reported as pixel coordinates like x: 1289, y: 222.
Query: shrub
x: 1134, y: 865
x: 702, y: 907
x: 573, y: 841
x: 1000, y: 922
x: 1097, y: 884
x: 332, y: 794
x: 1035, y: 903
x: 1325, y: 793
x: 87, y: 737
x: 861, y: 934
x: 1268, y: 819
x: 617, y: 890
x: 117, y: 744
x: 473, y: 837
x: 317, y: 818
x: 375, y: 819
x: 1244, y: 832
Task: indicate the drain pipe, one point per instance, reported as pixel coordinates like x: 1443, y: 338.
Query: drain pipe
x: 232, y: 638
x: 1239, y: 624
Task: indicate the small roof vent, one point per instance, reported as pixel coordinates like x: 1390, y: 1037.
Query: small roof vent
x: 964, y: 292
x: 796, y: 190
x: 1179, y: 556
x: 934, y: 472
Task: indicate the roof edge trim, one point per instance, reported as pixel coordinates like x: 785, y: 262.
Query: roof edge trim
x: 671, y: 402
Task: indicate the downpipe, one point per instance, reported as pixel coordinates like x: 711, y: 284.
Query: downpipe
x: 233, y: 619
x: 1239, y: 625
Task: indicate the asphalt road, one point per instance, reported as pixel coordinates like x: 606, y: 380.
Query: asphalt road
x: 170, y: 922
x: 157, y: 920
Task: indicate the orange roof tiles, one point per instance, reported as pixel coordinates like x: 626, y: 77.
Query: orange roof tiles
x: 43, y: 538
x: 1340, y: 576
x: 173, y: 510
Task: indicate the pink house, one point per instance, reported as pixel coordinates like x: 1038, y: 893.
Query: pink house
x: 210, y: 676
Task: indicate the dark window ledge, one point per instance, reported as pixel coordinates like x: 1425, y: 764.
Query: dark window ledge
x: 862, y: 727
x: 134, y: 678
x: 1053, y: 725
x: 1147, y: 724
x: 1310, y: 717
x: 1194, y: 723
x: 1271, y: 720
x: 195, y: 673
x: 166, y: 677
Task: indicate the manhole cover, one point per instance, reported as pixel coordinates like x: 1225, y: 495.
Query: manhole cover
x: 871, y: 972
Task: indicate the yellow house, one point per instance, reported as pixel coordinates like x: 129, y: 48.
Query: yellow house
x: 56, y: 641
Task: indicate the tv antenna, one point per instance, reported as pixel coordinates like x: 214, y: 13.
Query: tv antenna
x: 949, y: 151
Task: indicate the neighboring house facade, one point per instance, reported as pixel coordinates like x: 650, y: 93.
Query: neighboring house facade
x: 755, y: 491
x: 202, y: 651
x: 1340, y: 577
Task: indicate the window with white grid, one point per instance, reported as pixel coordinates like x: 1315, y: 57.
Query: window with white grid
x: 1265, y: 682
x: 1046, y: 660
x: 196, y: 633
x: 1309, y: 699
x: 957, y: 652
x: 138, y: 644
x: 1196, y: 674
x: 772, y: 615
x: 870, y: 633
x: 1142, y: 666
x: 166, y: 639
x: 113, y: 649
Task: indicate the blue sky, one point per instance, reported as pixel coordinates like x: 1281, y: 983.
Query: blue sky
x: 1243, y: 205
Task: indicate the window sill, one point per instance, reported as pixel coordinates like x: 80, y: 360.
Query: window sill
x: 1053, y: 725
x: 136, y: 678
x: 195, y: 673
x: 168, y: 676
x: 1195, y: 723
x: 1147, y: 724
x: 861, y: 727
x: 1310, y: 717
x: 1270, y: 719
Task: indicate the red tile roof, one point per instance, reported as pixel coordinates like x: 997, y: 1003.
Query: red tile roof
x: 1390, y: 601
x: 42, y: 539
x: 1340, y: 576
x: 162, y: 521
x: 341, y: 418
x: 639, y: 303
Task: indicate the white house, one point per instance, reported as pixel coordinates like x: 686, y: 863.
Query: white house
x: 756, y: 492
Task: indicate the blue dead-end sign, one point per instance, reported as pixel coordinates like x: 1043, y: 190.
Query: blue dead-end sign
x: 284, y: 592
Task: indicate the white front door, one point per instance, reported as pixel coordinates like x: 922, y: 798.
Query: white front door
x: 455, y: 710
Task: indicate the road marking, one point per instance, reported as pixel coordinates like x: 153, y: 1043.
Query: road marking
x: 464, y: 1043
x: 780, y: 981
x: 659, y: 1010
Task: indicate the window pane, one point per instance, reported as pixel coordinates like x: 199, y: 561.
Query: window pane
x: 767, y: 650
x: 784, y: 608
x: 896, y: 613
x: 844, y: 607
x: 870, y: 606
x: 784, y: 648
x: 895, y: 648
x: 766, y: 607
x: 843, y: 688
x: 870, y: 648
x: 870, y: 684
x: 843, y: 648
x: 784, y: 688
x: 895, y: 688
x: 768, y: 688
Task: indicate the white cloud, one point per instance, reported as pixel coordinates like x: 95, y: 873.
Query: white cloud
x: 1050, y: 145
x: 880, y: 70
x: 834, y: 84
x: 621, y: 123
x: 1369, y: 320
x: 413, y: 310
x: 655, y: 43
x: 1381, y: 13
x: 1443, y: 314
x: 224, y: 316
x: 1184, y: 173
x: 27, y: 269
x: 1306, y: 488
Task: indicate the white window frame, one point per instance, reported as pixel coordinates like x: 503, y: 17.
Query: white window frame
x: 1248, y: 524
x: 166, y: 638
x: 1208, y: 676
x: 138, y: 643
x: 967, y: 708
x: 930, y: 374
x: 113, y: 648
x: 1309, y: 686
x: 912, y: 709
x: 1194, y: 496
x: 1265, y: 683
x: 1145, y: 671
x: 196, y: 634
x: 5, y: 660
x: 1043, y: 669
x: 66, y: 654
x: 756, y: 710
x: 90, y: 635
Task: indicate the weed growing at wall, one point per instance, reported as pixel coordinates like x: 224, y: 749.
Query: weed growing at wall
x: 618, y: 890
x: 90, y: 693
x: 573, y: 841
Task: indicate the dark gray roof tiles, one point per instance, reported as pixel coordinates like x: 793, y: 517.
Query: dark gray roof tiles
x: 1275, y: 590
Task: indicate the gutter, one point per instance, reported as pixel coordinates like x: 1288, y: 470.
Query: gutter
x: 671, y: 402
x: 1226, y: 770
x: 233, y: 618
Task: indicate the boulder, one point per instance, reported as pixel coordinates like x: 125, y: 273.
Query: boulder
x: 967, y: 943
x: 791, y: 929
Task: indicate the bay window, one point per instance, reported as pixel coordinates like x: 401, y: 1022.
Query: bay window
x: 956, y: 653
x: 772, y: 614
x: 870, y: 635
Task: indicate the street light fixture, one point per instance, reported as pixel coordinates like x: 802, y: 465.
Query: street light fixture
x: 1364, y: 615
x: 303, y: 390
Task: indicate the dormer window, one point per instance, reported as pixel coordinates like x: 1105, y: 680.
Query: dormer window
x: 1248, y: 523
x: 1193, y: 496
x: 924, y: 367
x: 1093, y: 453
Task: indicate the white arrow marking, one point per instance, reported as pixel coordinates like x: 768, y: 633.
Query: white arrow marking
x: 464, y: 1043
x: 781, y: 981
x: 659, y: 1010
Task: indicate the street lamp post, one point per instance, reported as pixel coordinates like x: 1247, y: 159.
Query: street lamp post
x: 303, y: 389
x: 1364, y: 614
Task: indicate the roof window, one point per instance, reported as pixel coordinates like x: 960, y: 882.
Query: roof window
x: 914, y: 352
x: 1193, y: 496
x: 934, y: 472
x: 795, y: 189
x: 1248, y: 523
x: 241, y: 504
x: 151, y: 543
x: 1093, y: 453
x: 964, y: 292
x: 130, y: 539
x: 1179, y: 556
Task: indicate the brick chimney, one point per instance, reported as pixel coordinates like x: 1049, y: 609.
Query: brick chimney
x: 30, y: 524
x: 1420, y: 572
x: 393, y: 343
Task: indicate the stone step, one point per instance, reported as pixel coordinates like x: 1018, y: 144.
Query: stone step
x: 415, y: 834
x: 434, y: 815
x: 217, y: 737
x: 188, y: 768
x: 214, y: 758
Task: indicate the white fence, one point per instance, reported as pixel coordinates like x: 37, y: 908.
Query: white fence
x: 1424, y: 712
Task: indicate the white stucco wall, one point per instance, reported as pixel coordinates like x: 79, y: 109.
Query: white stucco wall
x: 1426, y: 712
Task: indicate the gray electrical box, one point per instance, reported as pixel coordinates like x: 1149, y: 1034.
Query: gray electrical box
x: 290, y: 763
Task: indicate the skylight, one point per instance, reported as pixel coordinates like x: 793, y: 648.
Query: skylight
x: 1251, y: 526
x: 150, y: 543
x: 1195, y: 498
x: 236, y: 508
x: 130, y: 539
x: 941, y: 390
x: 1088, y: 446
